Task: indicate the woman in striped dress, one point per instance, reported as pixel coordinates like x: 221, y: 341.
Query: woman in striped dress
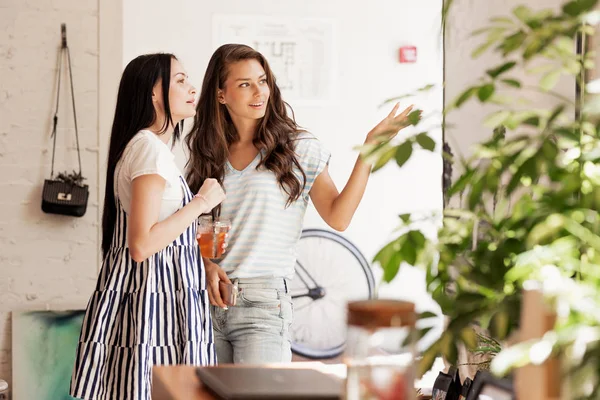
x: 270, y: 169
x: 150, y: 306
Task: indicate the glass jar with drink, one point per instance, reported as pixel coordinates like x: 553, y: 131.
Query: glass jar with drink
x: 212, y: 236
x: 380, y: 350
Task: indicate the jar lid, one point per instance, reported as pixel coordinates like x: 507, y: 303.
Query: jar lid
x: 381, y: 313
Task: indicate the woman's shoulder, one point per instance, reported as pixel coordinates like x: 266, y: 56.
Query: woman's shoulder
x: 146, y: 152
x: 146, y: 143
x: 145, y: 139
x: 304, y: 135
x: 306, y: 142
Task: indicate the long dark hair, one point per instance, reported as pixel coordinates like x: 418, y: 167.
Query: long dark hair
x: 213, y: 131
x: 134, y: 112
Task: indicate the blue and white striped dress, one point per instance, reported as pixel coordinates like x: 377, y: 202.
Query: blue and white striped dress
x: 154, y: 312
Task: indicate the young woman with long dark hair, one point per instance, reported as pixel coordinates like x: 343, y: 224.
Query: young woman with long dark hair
x: 150, y: 306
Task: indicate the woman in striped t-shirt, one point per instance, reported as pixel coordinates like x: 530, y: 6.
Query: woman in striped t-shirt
x: 270, y: 168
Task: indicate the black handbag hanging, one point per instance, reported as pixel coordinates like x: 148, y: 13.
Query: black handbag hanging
x: 65, y: 194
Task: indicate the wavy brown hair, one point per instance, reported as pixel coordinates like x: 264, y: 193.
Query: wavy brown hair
x: 213, y: 130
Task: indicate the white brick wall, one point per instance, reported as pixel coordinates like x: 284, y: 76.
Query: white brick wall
x: 45, y: 260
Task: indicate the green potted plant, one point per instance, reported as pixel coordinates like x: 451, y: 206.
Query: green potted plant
x: 525, y: 204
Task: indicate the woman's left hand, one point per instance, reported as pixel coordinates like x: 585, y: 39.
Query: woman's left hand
x: 389, y: 127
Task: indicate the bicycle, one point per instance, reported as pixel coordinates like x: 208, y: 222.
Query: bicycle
x: 330, y: 271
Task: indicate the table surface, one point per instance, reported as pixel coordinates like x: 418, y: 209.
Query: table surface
x: 179, y: 382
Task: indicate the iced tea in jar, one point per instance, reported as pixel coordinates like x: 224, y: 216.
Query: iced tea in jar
x: 212, y: 236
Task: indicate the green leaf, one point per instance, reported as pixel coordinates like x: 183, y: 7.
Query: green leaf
x: 556, y: 113
x: 369, y: 150
x: 428, y: 359
x: 469, y: 337
x: 513, y: 42
x: 512, y: 82
x: 496, y: 119
x: 486, y: 91
x: 494, y: 73
x: 386, y: 253
x: 540, y: 69
x: 550, y: 80
x: 422, y: 333
x: 417, y: 238
x: 462, y: 182
x: 499, y: 134
x: 464, y: 319
x: 485, y: 29
x: 535, y: 47
x: 502, y: 100
x: 412, y: 247
x: 449, y: 348
x: 426, y: 88
x: 518, y: 118
x: 384, y: 158
x: 483, y: 48
x: 475, y: 195
x: 568, y: 133
x: 389, y: 258
x: 528, y: 168
x: 532, y: 121
x: 523, y: 13
x: 404, y: 249
x: 425, y: 141
x: 427, y: 314
x: 564, y: 44
x: 443, y: 300
x: 405, y: 218
x: 395, y: 99
x: 499, y: 325
x: 392, y: 267
x: 408, y: 253
x: 502, y: 20
x: 578, y: 7
x: 404, y: 96
x: 464, y: 96
x: 545, y: 230
x: 414, y: 117
x: 403, y: 153
x: 545, y: 14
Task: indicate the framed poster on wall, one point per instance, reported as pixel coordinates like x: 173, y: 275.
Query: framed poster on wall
x: 300, y: 51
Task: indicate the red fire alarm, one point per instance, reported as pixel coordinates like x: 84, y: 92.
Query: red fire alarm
x: 408, y: 54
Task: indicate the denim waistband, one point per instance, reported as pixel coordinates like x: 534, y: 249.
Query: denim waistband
x: 262, y: 283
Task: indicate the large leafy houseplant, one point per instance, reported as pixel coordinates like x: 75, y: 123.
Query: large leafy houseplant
x: 525, y: 205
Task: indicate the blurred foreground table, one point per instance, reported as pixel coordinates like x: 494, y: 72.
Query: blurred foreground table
x: 179, y: 382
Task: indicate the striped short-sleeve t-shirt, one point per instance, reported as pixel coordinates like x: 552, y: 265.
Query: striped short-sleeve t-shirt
x: 264, y: 232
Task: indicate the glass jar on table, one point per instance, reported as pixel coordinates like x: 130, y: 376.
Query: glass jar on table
x: 380, y: 350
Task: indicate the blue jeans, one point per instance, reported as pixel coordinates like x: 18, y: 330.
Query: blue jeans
x: 256, y: 329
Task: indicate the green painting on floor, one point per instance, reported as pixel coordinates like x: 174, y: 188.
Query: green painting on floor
x: 44, y: 344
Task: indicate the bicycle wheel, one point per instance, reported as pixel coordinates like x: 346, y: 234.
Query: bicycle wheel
x: 330, y: 271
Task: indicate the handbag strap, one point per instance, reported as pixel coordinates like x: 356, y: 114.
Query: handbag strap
x: 64, y: 50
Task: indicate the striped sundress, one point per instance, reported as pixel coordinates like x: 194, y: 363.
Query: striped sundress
x: 154, y: 312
